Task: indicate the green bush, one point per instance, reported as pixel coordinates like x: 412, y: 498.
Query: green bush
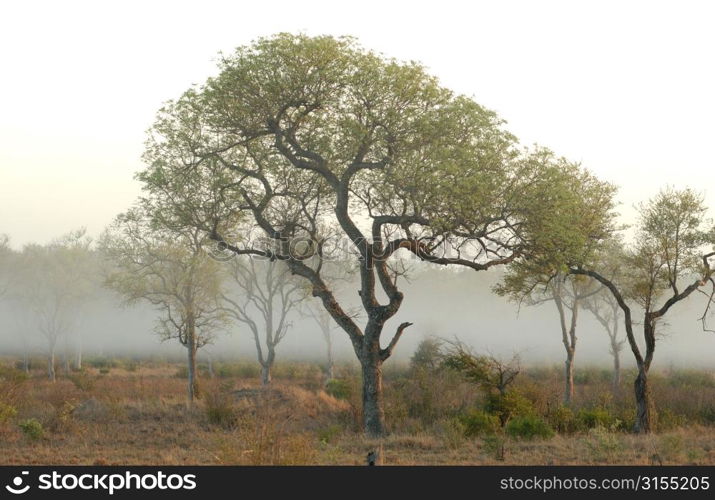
x: 563, y: 420
x: 329, y: 434
x: 590, y: 418
x: 528, y: 427
x: 83, y: 381
x: 102, y: 363
x: 707, y: 414
x: 12, y: 374
x: 32, y: 428
x: 495, y: 446
x: 236, y: 370
x: 7, y: 413
x: 338, y: 388
x: 511, y: 404
x: 668, y: 420
x: 478, y: 423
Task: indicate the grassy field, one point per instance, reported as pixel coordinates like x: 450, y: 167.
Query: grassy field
x: 128, y: 412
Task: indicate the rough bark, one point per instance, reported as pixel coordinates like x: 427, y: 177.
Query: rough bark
x: 266, y: 374
x: 373, y: 412
x: 645, y: 411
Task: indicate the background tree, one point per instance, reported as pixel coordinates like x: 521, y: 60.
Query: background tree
x: 54, y: 282
x: 170, y: 270
x: 308, y: 146
x: 326, y: 325
x: 6, y: 259
x: 265, y: 289
x: 525, y: 284
x: 577, y: 217
x: 670, y: 258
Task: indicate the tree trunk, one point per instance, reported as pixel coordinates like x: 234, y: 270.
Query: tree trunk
x: 372, y: 409
x: 78, y: 361
x: 330, y: 374
x: 644, y: 403
x: 616, y: 368
x: 51, y: 365
x: 193, y: 384
x: 568, y: 372
x: 265, y: 374
x: 330, y: 371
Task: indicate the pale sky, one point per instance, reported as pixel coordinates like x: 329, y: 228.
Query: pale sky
x: 627, y: 88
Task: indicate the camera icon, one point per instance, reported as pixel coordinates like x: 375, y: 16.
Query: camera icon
x: 16, y: 487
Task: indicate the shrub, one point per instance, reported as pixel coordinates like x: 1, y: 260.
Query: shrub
x: 603, y: 445
x: 238, y: 370
x: 218, y: 404
x: 563, y: 420
x: 83, y: 381
x: 528, y: 427
x: 594, y: 417
x: 707, y: 414
x: 427, y: 356
x: 102, y: 363
x: 7, y: 413
x: 104, y: 370
x: 329, y: 434
x: 668, y: 419
x: 477, y: 423
x: 32, y: 428
x: 338, y: 388
x: 494, y: 445
x: 508, y: 405
x: 12, y: 374
x: 452, y: 431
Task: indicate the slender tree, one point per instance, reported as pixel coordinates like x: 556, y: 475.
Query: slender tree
x: 670, y: 258
x: 607, y: 312
x: 6, y: 259
x: 266, y: 290
x: 326, y: 324
x: 54, y: 284
x: 305, y: 147
x: 530, y: 285
x: 171, y: 271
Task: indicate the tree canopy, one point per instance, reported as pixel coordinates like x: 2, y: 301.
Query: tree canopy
x: 306, y: 149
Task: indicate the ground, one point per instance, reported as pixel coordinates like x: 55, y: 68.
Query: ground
x: 140, y: 416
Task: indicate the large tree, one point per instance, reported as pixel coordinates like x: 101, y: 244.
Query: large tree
x: 671, y: 257
x: 170, y: 270
x: 302, y: 147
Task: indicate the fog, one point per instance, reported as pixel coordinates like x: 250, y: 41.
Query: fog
x: 623, y: 89
x: 440, y: 302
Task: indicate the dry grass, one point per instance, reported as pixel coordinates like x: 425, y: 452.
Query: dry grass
x: 140, y: 416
